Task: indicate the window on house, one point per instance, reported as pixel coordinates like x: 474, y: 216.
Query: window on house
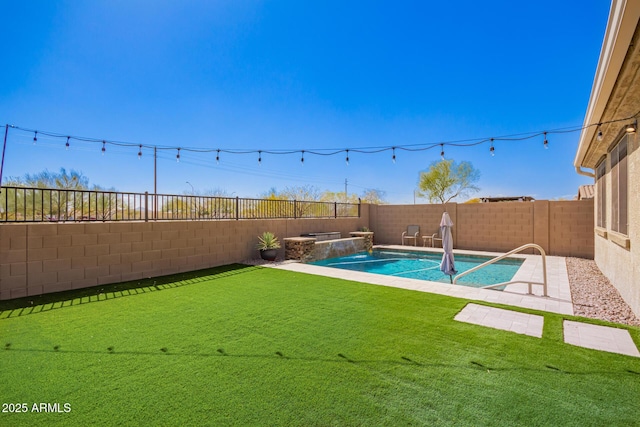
x: 601, y: 195
x: 619, y: 186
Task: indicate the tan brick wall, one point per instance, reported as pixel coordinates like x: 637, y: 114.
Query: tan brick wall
x: 562, y: 228
x: 43, y: 258
x: 494, y: 226
x: 571, y: 228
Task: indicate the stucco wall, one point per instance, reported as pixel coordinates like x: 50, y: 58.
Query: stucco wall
x: 620, y: 264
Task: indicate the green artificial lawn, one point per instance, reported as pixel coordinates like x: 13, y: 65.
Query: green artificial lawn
x: 244, y: 346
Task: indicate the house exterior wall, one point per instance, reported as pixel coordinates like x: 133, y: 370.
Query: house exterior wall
x: 613, y: 104
x: 618, y: 256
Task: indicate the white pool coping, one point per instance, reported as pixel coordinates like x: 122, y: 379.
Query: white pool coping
x: 557, y: 301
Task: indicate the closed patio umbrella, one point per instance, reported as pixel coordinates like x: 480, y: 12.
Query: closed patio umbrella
x: 447, y: 266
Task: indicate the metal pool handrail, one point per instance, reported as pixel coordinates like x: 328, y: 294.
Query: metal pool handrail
x: 496, y: 259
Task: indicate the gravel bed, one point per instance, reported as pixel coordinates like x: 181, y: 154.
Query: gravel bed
x: 594, y: 296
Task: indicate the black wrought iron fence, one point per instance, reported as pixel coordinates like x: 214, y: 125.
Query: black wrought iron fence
x: 25, y: 204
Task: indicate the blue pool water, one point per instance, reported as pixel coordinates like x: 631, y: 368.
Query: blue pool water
x: 425, y: 266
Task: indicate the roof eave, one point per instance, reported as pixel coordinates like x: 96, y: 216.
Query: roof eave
x: 623, y: 18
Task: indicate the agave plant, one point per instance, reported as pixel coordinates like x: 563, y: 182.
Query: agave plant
x: 268, y: 240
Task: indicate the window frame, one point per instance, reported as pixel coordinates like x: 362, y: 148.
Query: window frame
x: 601, y: 194
x: 619, y: 172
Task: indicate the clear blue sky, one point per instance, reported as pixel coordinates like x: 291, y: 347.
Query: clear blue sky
x: 269, y: 75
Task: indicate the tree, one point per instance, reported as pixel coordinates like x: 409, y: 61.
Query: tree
x: 307, y: 193
x: 373, y: 196
x: 46, y: 179
x: 61, y: 196
x: 339, y: 196
x: 302, y: 200
x: 445, y: 180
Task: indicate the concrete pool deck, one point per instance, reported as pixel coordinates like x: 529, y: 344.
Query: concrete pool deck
x: 558, y: 299
x: 559, y: 294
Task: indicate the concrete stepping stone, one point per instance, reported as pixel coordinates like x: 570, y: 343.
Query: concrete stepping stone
x: 497, y: 318
x: 597, y: 337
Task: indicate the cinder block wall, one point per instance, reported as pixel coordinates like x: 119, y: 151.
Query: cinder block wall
x: 495, y: 226
x: 44, y: 258
x: 389, y: 221
x: 563, y: 228
x: 571, y: 228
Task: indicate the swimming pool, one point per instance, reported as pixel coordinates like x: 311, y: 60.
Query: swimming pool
x: 425, y: 266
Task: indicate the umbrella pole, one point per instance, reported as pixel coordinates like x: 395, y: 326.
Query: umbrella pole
x: 451, y: 279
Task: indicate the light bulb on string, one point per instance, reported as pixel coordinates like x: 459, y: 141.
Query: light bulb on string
x: 347, y: 159
x: 66, y: 146
x: 393, y: 157
x: 600, y: 135
x: 178, y: 156
x: 492, y: 150
x: 302, y: 158
x: 139, y: 151
x: 545, y: 143
x: 103, y: 147
x: 35, y: 137
x: 442, y: 151
x: 259, y: 158
x: 218, y: 157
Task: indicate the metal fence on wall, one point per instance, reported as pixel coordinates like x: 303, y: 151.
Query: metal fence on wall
x: 26, y: 204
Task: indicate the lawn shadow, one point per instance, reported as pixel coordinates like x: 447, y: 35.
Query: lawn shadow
x: 47, y: 302
x: 339, y: 358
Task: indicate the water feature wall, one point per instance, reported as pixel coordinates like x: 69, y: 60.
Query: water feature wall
x: 310, y: 249
x: 336, y: 248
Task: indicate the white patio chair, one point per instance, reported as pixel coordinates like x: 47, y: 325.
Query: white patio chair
x: 436, y: 237
x: 411, y: 234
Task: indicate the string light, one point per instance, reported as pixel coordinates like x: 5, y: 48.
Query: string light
x: 140, y: 152
x: 66, y: 146
x: 630, y: 126
x: 260, y: 158
x: 178, y: 156
x: 599, y: 136
x: 492, y: 150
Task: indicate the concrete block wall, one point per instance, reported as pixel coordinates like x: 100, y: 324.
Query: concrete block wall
x: 563, y: 228
x: 497, y: 227
x: 50, y: 257
x: 571, y: 228
x: 389, y: 221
